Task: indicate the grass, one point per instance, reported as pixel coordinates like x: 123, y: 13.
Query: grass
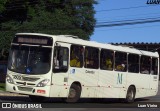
x: 2, y: 86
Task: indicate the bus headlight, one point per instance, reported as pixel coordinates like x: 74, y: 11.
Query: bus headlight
x: 9, y: 79
x: 43, y: 83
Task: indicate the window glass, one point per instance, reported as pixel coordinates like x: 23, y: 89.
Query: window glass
x: 133, y: 63
x: 154, y: 70
x: 39, y: 60
x: 106, y: 62
x: 120, y: 61
x: 91, y: 57
x: 60, y: 59
x: 29, y: 60
x: 145, y: 64
x: 76, y: 56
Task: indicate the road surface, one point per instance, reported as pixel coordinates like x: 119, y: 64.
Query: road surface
x: 85, y: 104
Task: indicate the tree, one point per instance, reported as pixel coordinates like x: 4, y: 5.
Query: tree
x: 70, y: 17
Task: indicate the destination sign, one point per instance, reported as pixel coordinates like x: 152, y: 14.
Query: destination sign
x: 33, y: 39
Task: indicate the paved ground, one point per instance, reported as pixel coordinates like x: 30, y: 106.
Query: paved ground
x: 58, y: 105
x: 4, y: 93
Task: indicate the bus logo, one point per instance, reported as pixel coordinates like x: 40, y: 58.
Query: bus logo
x: 72, y: 71
x: 24, y: 83
x: 6, y: 105
x: 119, y: 78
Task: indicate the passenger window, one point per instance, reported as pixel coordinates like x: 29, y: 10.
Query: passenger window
x: 133, y: 63
x: 154, y: 70
x: 120, y: 61
x: 106, y: 62
x: 76, y: 56
x: 91, y: 57
x: 60, y: 59
x: 145, y: 65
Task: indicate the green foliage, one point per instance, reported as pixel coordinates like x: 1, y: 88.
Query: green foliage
x: 2, y: 86
x: 2, y: 5
x: 58, y: 17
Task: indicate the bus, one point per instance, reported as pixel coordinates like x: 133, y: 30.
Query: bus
x: 65, y: 66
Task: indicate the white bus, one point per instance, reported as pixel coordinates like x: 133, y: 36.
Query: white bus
x: 64, y: 66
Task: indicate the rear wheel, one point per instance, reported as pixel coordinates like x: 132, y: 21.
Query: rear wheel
x: 74, y: 93
x: 130, y: 94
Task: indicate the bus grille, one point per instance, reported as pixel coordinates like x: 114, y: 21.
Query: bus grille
x: 24, y: 88
x: 22, y: 83
x: 30, y: 79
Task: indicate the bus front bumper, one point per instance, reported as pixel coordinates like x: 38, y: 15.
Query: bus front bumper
x: 27, y: 90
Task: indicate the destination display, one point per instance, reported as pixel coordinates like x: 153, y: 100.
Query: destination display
x: 33, y: 39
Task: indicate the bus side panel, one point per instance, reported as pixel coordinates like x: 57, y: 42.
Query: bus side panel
x: 112, y: 84
x: 106, y: 83
x: 140, y: 81
x: 152, y: 91
x: 154, y: 81
x: 59, y: 87
x: 121, y: 83
x: 88, y: 79
x: 59, y: 91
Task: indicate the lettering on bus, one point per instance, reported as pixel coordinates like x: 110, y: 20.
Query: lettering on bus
x: 90, y: 72
x: 119, y: 78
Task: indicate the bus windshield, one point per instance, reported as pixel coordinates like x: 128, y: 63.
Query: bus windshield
x: 29, y: 59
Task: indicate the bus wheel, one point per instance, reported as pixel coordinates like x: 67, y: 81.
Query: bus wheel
x: 74, y: 93
x: 130, y: 95
x: 37, y: 98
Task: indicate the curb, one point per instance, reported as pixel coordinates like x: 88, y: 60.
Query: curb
x: 4, y: 93
x: 12, y: 95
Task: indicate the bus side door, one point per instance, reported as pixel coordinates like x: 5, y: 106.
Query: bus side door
x: 154, y: 77
x: 59, y: 87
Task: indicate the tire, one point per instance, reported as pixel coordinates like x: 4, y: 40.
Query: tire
x: 130, y: 95
x: 37, y: 98
x: 74, y: 94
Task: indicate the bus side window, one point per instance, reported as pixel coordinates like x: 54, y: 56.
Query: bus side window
x: 121, y: 61
x: 145, y: 65
x: 76, y: 56
x: 91, y: 58
x: 60, y: 59
x: 106, y: 62
x: 154, y: 70
x: 133, y: 63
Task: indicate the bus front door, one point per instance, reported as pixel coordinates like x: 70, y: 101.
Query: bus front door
x: 59, y: 87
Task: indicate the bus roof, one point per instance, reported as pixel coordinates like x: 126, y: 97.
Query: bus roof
x: 75, y: 40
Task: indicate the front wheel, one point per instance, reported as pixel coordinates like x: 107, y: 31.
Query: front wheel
x: 130, y: 95
x: 74, y: 93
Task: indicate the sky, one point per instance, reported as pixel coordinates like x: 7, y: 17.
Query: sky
x: 122, y: 10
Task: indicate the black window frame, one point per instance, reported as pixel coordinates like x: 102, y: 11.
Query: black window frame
x: 133, y: 67
x: 91, y: 62
x: 145, y: 68
x: 119, y: 63
x: 154, y: 71
x: 106, y: 55
x: 60, y: 69
x: 78, y: 56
